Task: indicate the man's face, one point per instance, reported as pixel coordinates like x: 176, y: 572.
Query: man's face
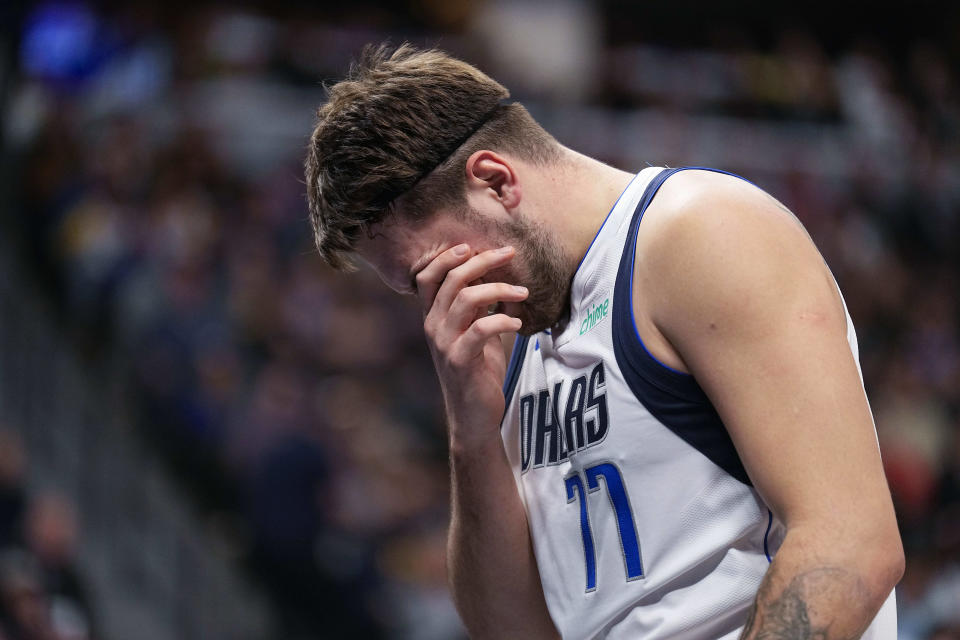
x: 400, y: 249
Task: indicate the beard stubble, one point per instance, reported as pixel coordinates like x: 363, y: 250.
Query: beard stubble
x: 541, y: 266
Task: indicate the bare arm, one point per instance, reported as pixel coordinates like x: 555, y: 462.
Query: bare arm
x: 493, y: 573
x: 746, y: 303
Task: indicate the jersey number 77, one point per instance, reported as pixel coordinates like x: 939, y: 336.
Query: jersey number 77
x: 629, y: 543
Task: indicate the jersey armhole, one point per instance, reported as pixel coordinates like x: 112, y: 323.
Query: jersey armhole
x: 513, y: 368
x: 673, y: 397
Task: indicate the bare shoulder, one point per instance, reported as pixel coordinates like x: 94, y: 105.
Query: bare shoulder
x: 700, y: 203
x: 713, y: 247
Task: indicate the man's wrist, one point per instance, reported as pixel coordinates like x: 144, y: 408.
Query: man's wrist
x: 467, y: 445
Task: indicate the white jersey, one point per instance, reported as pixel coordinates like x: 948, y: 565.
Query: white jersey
x: 644, y: 522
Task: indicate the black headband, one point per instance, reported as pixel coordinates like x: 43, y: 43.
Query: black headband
x: 441, y: 156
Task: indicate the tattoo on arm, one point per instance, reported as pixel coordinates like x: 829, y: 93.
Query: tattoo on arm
x: 804, y: 608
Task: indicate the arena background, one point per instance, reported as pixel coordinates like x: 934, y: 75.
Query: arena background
x: 205, y: 434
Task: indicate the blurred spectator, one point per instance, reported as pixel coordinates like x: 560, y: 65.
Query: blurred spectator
x: 42, y: 597
x: 26, y: 611
x: 50, y: 533
x: 13, y: 466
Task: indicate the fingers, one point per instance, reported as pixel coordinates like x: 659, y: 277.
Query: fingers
x: 455, y: 300
x: 431, y: 277
x: 471, y: 342
x: 471, y: 302
x: 444, y: 327
x: 456, y: 278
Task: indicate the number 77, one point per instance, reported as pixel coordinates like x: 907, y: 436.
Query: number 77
x: 629, y: 543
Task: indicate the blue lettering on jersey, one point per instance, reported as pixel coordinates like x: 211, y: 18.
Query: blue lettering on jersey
x: 547, y: 440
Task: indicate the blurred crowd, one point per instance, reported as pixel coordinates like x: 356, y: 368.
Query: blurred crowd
x: 300, y: 406
x: 42, y: 596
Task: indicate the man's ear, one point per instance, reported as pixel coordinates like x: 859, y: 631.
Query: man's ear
x: 493, y: 175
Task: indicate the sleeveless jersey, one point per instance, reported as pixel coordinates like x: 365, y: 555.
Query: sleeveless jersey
x: 643, y: 521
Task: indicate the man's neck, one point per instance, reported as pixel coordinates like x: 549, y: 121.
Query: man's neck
x: 579, y: 195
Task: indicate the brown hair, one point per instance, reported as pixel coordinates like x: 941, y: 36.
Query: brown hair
x: 404, y: 122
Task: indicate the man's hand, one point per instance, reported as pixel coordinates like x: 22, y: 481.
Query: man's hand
x: 464, y: 339
x: 493, y: 574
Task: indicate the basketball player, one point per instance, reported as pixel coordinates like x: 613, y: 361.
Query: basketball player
x: 680, y: 445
